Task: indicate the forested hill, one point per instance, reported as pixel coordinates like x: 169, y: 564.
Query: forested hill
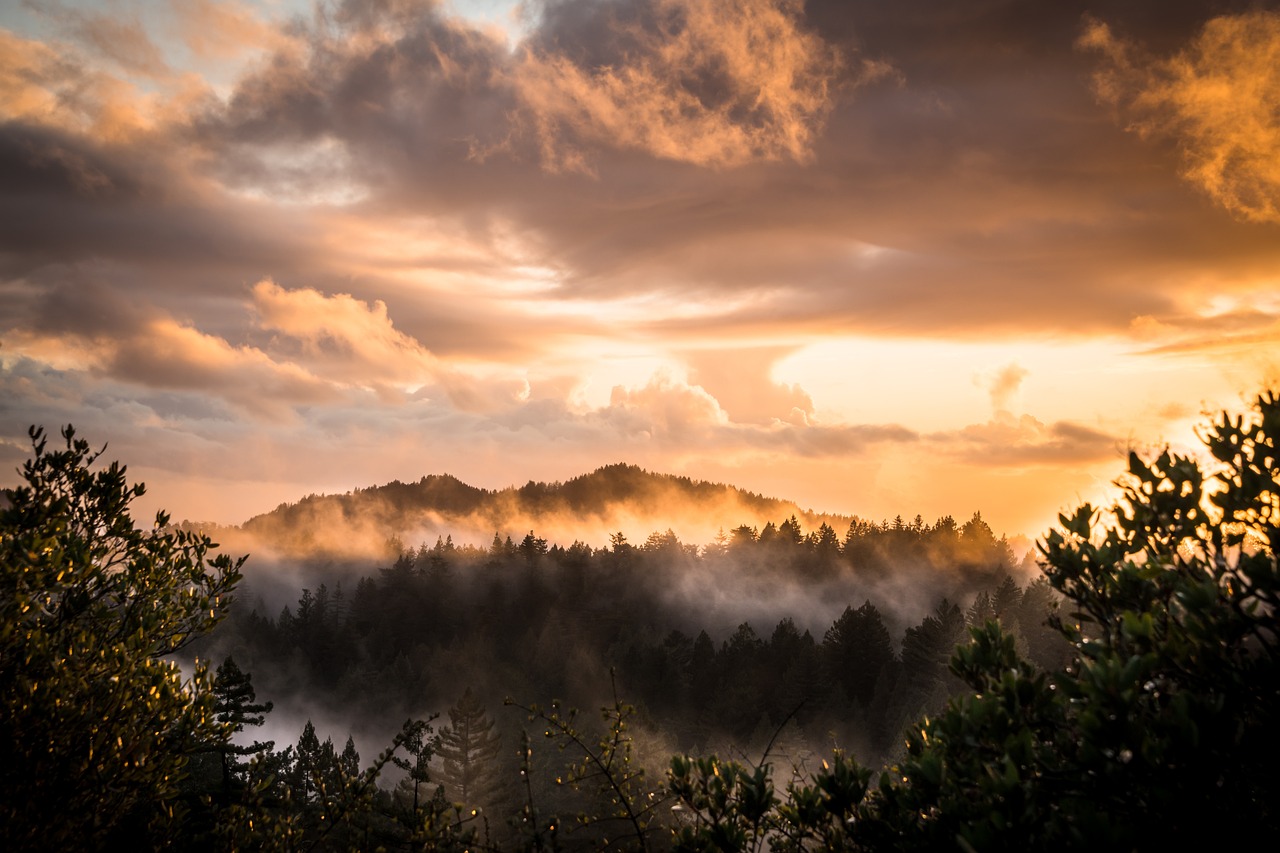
x: 590, y: 508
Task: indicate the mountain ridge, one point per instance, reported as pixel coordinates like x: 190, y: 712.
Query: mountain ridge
x: 615, y: 498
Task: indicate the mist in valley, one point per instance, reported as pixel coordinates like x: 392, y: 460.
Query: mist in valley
x: 780, y: 637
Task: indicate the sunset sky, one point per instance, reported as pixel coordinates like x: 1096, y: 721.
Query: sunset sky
x: 878, y: 258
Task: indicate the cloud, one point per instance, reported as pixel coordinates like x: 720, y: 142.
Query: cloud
x: 108, y: 79
x: 663, y: 408
x: 740, y: 382
x: 430, y: 288
x: 1004, y: 385
x: 168, y: 354
x: 119, y: 36
x: 1023, y: 441
x: 687, y: 419
x: 696, y: 81
x: 1219, y: 98
x: 222, y: 29
x: 687, y: 81
x: 342, y: 338
x: 354, y: 343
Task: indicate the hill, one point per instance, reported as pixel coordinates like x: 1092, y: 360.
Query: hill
x: 590, y: 508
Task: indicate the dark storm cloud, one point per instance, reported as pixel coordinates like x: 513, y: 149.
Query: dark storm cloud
x: 411, y: 93
x: 74, y: 199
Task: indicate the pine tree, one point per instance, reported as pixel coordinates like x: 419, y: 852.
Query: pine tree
x: 469, y: 749
x: 420, y: 746
x: 857, y: 647
x: 235, y: 706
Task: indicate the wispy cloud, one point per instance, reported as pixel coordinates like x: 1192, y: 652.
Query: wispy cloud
x: 694, y: 81
x: 1219, y: 98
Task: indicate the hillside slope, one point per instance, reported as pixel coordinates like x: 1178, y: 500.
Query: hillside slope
x: 613, y: 499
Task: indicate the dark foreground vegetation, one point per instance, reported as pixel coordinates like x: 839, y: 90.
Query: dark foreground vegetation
x: 1139, y: 712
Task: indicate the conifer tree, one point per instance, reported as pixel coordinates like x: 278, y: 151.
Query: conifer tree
x: 857, y: 648
x: 236, y: 707
x: 468, y: 748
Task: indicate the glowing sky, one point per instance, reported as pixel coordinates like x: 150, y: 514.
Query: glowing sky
x: 879, y: 258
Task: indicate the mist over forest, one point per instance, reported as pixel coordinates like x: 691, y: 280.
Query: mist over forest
x: 739, y: 694
x: 949, y: 274
x: 788, y: 630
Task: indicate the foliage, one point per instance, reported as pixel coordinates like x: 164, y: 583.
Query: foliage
x: 98, y: 721
x: 727, y: 806
x: 311, y: 797
x: 1159, y: 728
x: 407, y: 635
x: 623, y: 807
x: 1162, y: 731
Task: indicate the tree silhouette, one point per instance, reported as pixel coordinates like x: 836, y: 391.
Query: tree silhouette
x: 235, y: 707
x: 1160, y: 734
x: 858, y: 649
x: 468, y: 748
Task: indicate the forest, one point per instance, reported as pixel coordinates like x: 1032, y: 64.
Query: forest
x: 1119, y: 690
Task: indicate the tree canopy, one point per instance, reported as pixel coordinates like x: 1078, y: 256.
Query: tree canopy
x: 1155, y: 726
x: 98, y: 719
x: 1160, y: 733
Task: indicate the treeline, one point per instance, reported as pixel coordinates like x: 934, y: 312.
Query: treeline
x: 590, y: 506
x: 537, y: 621
x: 454, y: 631
x: 1156, y: 732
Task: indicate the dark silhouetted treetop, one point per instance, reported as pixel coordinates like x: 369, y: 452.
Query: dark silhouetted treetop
x: 235, y: 706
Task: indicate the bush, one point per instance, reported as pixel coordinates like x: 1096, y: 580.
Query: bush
x: 98, y: 720
x: 1161, y: 731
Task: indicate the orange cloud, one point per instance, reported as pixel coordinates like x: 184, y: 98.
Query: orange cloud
x: 1004, y: 385
x: 168, y: 354
x: 351, y: 342
x: 1009, y: 441
x: 49, y: 87
x: 713, y: 84
x: 32, y: 78
x: 684, y: 418
x: 165, y: 354
x: 740, y: 380
x: 223, y: 29
x: 343, y: 338
x: 1219, y: 98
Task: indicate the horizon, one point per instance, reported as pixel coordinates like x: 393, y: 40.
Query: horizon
x: 698, y: 521
x: 869, y: 260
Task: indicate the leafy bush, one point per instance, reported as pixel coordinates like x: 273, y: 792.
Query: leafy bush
x: 98, y: 722
x: 1163, y: 729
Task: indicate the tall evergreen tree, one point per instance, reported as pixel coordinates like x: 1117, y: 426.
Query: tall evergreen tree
x: 857, y: 648
x: 468, y: 748
x: 235, y: 706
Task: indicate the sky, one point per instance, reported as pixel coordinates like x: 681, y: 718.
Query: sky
x: 880, y: 259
